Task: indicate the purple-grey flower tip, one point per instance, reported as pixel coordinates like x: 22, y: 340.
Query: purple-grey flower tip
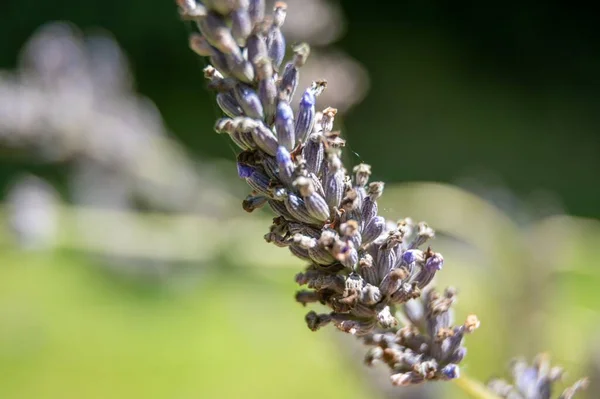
x: 410, y: 256
x: 284, y: 111
x: 527, y: 378
x: 308, y: 98
x: 244, y: 171
x: 283, y: 155
x: 435, y: 262
x: 451, y: 371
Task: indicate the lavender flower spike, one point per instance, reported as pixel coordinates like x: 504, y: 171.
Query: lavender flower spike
x: 367, y: 270
x: 535, y: 381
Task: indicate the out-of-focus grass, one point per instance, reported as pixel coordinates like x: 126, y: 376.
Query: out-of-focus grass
x: 69, y: 329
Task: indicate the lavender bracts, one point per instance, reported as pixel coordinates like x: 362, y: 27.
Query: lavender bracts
x: 535, y: 381
x: 360, y: 265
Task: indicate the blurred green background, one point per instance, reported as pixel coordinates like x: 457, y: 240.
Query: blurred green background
x: 483, y: 119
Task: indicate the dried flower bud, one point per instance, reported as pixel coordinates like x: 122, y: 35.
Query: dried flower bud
x: 361, y: 174
x: 259, y: 182
x: 190, y: 9
x: 328, y: 118
x: 253, y: 202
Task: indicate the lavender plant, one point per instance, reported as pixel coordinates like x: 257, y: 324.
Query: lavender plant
x: 360, y: 265
x: 534, y: 381
x: 371, y: 272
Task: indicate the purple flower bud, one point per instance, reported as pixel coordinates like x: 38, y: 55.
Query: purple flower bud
x: 386, y: 259
x: 348, y: 256
x: 241, y: 25
x: 267, y: 89
x: 257, y: 47
x: 306, y: 115
x: 223, y: 7
x: 314, y: 153
x: 315, y: 203
x: 265, y: 139
x: 200, y: 46
x: 240, y: 67
x: 451, y: 371
x: 289, y: 80
x: 300, y: 253
x: 270, y: 166
x: 373, y: 230
x: 229, y: 104
x: 256, y: 9
x: 412, y: 256
x: 434, y: 263
x: 321, y: 255
x: 253, y: 202
x: 285, y: 164
x: 334, y: 188
x: 249, y: 101
x: 297, y: 208
x: 216, y: 32
x: 259, y: 182
x: 284, y: 125
x: 226, y: 125
x: 279, y: 208
x: 458, y: 356
x: 275, y: 38
x: 368, y: 211
x: 244, y: 170
x: 276, y: 46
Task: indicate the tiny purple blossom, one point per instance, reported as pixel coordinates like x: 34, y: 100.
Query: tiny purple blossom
x: 411, y: 256
x: 451, y: 371
x: 435, y: 262
x: 244, y: 170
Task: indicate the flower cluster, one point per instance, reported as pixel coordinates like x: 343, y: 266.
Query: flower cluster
x: 535, y: 381
x: 428, y: 347
x: 361, y: 265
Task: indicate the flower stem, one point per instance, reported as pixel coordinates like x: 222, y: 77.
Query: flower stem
x: 473, y: 388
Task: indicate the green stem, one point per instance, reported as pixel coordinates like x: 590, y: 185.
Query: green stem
x: 473, y: 388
